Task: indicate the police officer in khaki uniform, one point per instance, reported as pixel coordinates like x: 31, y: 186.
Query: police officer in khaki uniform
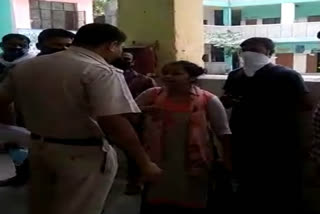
x: 74, y: 103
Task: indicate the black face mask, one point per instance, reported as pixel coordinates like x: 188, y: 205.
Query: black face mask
x: 46, y: 51
x: 14, y: 53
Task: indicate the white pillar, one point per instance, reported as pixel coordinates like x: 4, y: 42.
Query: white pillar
x: 300, y: 63
x: 208, y: 14
x: 288, y: 11
x: 111, y: 12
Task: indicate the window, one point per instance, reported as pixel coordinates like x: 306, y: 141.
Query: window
x: 269, y: 21
x: 205, y: 22
x: 314, y: 19
x: 218, y: 17
x: 217, y: 54
x: 45, y: 14
x: 236, y: 17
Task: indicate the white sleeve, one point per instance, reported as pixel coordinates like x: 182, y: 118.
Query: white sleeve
x: 108, y: 93
x: 218, y: 117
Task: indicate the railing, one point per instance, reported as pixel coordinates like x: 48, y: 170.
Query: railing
x: 242, y: 3
x: 297, y: 32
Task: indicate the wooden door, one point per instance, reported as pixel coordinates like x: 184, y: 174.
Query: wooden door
x: 285, y: 59
x: 251, y: 22
x: 312, y: 63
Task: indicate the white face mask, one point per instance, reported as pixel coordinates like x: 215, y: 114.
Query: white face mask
x: 253, y: 62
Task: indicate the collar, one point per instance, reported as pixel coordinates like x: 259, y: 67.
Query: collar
x: 94, y: 56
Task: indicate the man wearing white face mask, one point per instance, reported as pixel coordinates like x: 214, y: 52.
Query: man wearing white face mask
x: 265, y: 99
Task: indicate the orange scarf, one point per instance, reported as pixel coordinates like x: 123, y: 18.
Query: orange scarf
x: 199, y: 151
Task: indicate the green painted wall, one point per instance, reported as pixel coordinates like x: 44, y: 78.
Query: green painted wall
x: 217, y: 3
x: 259, y: 12
x: 307, y: 9
x: 6, y: 25
x: 291, y: 47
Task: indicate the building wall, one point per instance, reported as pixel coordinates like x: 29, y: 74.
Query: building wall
x: 161, y: 29
x: 22, y: 12
x: 307, y: 9
x: 6, y: 18
x: 208, y: 14
x: 291, y: 47
x: 189, y: 46
x: 260, y: 12
x: 243, y: 3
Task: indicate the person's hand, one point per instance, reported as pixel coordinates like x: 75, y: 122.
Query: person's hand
x: 150, y: 172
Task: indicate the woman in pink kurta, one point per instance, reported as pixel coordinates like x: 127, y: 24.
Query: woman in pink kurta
x: 178, y: 119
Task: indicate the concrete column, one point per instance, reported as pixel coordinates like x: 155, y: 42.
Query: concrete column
x: 208, y: 14
x: 111, y: 12
x: 227, y: 16
x: 300, y: 63
x: 259, y: 21
x: 227, y: 21
x: 6, y: 15
x: 302, y: 19
x: 177, y: 25
x: 288, y: 11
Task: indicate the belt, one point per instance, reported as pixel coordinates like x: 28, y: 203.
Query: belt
x: 72, y: 142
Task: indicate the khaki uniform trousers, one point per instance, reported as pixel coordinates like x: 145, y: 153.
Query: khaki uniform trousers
x: 68, y: 179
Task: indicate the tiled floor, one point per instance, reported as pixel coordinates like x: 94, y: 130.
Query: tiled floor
x: 14, y: 200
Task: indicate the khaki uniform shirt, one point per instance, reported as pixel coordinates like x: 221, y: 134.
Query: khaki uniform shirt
x: 62, y: 94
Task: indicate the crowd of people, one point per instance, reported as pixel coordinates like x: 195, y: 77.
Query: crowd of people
x: 100, y: 134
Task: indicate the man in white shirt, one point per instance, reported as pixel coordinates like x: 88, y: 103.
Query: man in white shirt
x: 76, y: 99
x: 15, y: 49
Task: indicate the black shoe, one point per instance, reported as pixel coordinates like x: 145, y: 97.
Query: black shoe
x: 15, y: 181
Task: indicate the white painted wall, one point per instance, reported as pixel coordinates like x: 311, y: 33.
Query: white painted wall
x: 217, y: 67
x: 288, y: 13
x: 208, y: 14
x: 259, y: 21
x: 302, y: 19
x: 300, y: 62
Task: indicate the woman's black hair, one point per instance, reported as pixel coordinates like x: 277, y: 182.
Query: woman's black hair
x: 93, y: 35
x: 192, y: 69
